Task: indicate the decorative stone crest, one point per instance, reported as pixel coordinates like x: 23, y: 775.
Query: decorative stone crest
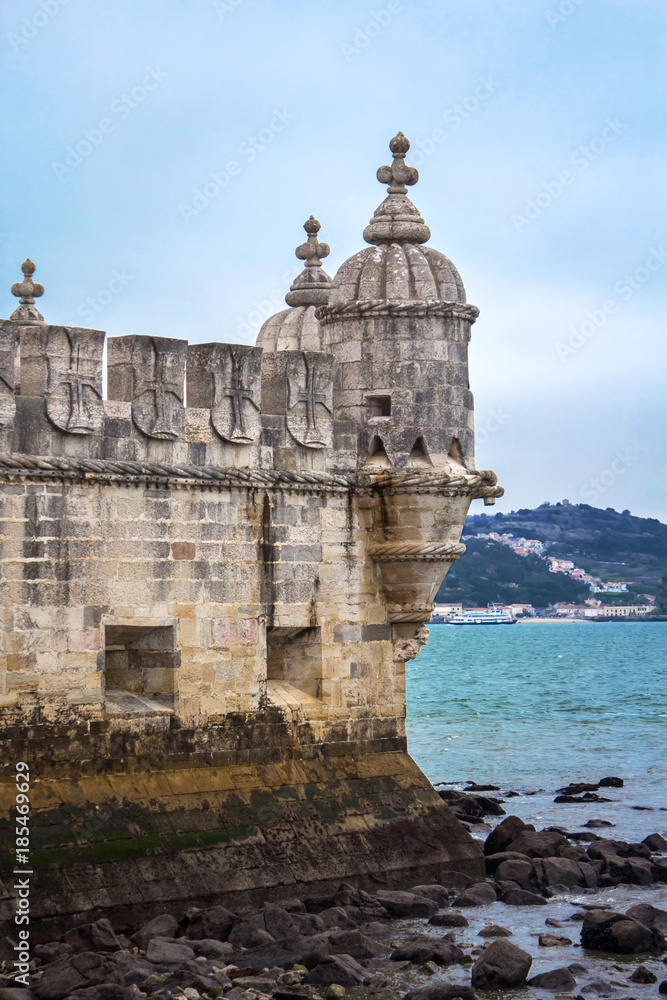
x: 397, y: 220
x: 74, y: 385
x: 235, y: 413
x: 312, y: 286
x: 408, y: 649
x: 27, y: 313
x: 7, y: 358
x: 157, y: 402
x: 310, y: 406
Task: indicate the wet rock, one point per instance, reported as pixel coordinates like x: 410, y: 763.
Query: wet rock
x: 354, y: 943
x: 169, y: 951
x: 612, y: 782
x: 577, y: 788
x: 441, y: 991
x: 214, y: 922
x: 312, y: 950
x: 649, y: 915
x: 420, y: 948
x: 543, y: 844
x: 555, y: 979
x: 99, y: 936
x: 448, y: 920
x: 62, y: 977
x: 607, y: 931
x: 662, y: 988
x: 479, y: 894
x: 246, y: 935
x: 551, y: 941
x: 50, y: 952
x: 340, y: 969
x: 515, y: 870
x: 493, y: 861
x: 436, y: 892
x: 660, y: 869
x: 600, y: 988
x: 520, y: 897
x: 655, y: 842
x: 552, y: 922
x: 334, y: 992
x: 501, y: 965
x: 335, y: 916
x: 15, y: 993
x: 163, y: 926
x: 594, y: 824
x: 604, y: 847
x: 465, y: 807
x: 577, y: 969
x: 378, y: 930
x: 643, y: 975
x: 264, y: 984
x: 406, y: 904
x: 208, y: 948
x: 494, y: 931
x: 562, y: 872
x: 503, y: 835
x: 586, y: 797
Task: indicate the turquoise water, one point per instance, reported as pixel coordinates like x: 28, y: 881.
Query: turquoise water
x: 534, y: 706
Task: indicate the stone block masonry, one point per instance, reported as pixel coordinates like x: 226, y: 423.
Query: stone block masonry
x: 211, y: 581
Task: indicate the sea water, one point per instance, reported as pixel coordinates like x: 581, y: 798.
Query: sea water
x: 534, y: 706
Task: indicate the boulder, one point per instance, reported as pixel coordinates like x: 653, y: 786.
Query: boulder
x: 660, y: 869
x: 420, y: 948
x: 514, y: 870
x: 99, y: 936
x: 603, y: 930
x: 448, y: 920
x: 552, y: 941
x: 169, y: 951
x: 135, y: 969
x: 561, y: 871
x: 163, y: 926
x: 378, y: 930
x: 214, y: 922
x: 15, y: 993
x: 340, y: 969
x: 662, y: 988
x: 479, y: 894
x: 534, y: 844
x: 354, y: 943
x: 105, y: 991
x: 441, y: 991
x: 493, y: 861
x: 208, y: 948
x: 335, y: 916
x: 556, y: 980
x: 643, y: 975
x: 50, y: 952
x: 603, y: 848
x: 611, y: 782
x: 649, y: 915
x: 463, y: 806
x: 597, y: 823
x: 311, y: 950
x: 655, y: 842
x: 406, y: 904
x: 494, y: 931
x: 436, y: 892
x: 501, y: 965
x: 246, y: 935
x: 65, y: 975
x: 520, y: 897
x: 576, y: 788
x: 503, y: 835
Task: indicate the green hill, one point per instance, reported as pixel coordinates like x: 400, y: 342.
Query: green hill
x: 605, y: 543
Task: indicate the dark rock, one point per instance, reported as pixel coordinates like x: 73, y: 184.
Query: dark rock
x: 577, y: 969
x: 214, y: 922
x: 378, y: 930
x: 105, y: 991
x: 603, y: 848
x: 278, y: 955
x: 406, y: 904
x: 169, y: 951
x: 62, y: 977
x: 293, y: 905
x: 340, y: 969
x: 436, y: 892
x: 492, y: 861
x: 662, y: 988
x: 354, y: 943
x: 465, y: 807
x: 208, y: 948
x: 520, y: 897
x: 606, y: 931
x: 660, y: 869
x: 52, y: 951
x: 312, y: 950
x: 544, y: 844
x: 586, y: 797
x: 551, y: 941
x: 655, y: 842
x: 611, y: 782
x: 503, y: 835
x: 600, y: 988
x: 163, y: 926
x: 515, y: 870
x: 504, y: 885
x: 479, y: 894
x: 335, y: 916
x: 135, y: 969
x: 246, y: 935
x: 420, y: 948
x: 555, y: 979
x: 550, y: 872
x: 489, y: 806
x: 649, y: 915
x: 15, y: 993
x: 472, y: 786
x: 552, y: 922
x: 643, y: 975
x: 448, y: 920
x: 494, y: 931
x: 577, y: 788
x: 501, y: 965
x: 441, y: 991
x: 596, y: 823
x: 99, y: 936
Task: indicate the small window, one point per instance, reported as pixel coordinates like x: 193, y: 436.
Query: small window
x: 140, y: 668
x: 378, y: 406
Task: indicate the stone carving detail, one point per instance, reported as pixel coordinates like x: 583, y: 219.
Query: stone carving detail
x: 7, y: 356
x: 407, y: 649
x: 235, y: 413
x: 157, y: 403
x: 26, y: 291
x: 74, y: 387
x: 416, y: 551
x: 310, y: 406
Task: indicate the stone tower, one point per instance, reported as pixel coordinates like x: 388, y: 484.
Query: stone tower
x: 212, y: 580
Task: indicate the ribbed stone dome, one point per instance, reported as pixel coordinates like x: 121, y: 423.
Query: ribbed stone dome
x: 397, y: 272
x: 293, y: 329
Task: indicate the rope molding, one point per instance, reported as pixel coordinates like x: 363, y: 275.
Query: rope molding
x: 416, y: 551
x: 387, y: 307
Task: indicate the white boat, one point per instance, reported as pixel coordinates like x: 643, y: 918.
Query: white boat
x: 481, y: 617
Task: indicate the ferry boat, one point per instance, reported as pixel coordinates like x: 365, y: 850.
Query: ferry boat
x: 494, y: 616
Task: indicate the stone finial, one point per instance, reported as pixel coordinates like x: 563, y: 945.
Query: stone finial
x: 397, y: 220
x: 312, y: 286
x: 27, y: 291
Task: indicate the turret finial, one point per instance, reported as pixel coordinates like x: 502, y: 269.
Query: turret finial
x: 312, y: 286
x: 397, y: 220
x: 27, y: 291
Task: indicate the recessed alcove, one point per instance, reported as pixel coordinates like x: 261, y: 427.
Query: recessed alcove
x: 378, y: 406
x: 456, y: 451
x: 140, y: 668
x: 419, y: 454
x: 294, y: 660
x: 377, y: 453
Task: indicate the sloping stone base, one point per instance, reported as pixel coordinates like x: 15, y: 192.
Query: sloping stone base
x: 129, y: 846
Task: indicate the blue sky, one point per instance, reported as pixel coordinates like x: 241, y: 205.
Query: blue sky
x: 538, y: 129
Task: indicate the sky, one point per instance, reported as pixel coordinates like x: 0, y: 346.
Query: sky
x: 160, y: 157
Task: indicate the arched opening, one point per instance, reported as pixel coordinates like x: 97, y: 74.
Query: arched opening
x: 377, y: 453
x: 456, y: 452
x: 419, y: 454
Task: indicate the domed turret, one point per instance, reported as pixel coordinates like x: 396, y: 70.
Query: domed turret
x: 297, y: 329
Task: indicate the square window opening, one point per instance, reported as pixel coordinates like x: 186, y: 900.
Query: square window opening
x: 140, y: 668
x: 294, y: 659
x: 378, y: 406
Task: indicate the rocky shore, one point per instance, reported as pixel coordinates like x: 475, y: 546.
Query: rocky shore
x: 562, y: 914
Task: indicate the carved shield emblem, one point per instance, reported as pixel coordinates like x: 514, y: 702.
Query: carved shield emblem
x: 310, y: 406
x: 74, y: 387
x: 7, y: 355
x: 235, y: 413
x: 159, y: 374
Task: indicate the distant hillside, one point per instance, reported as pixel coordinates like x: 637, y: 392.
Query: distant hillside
x: 605, y: 543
